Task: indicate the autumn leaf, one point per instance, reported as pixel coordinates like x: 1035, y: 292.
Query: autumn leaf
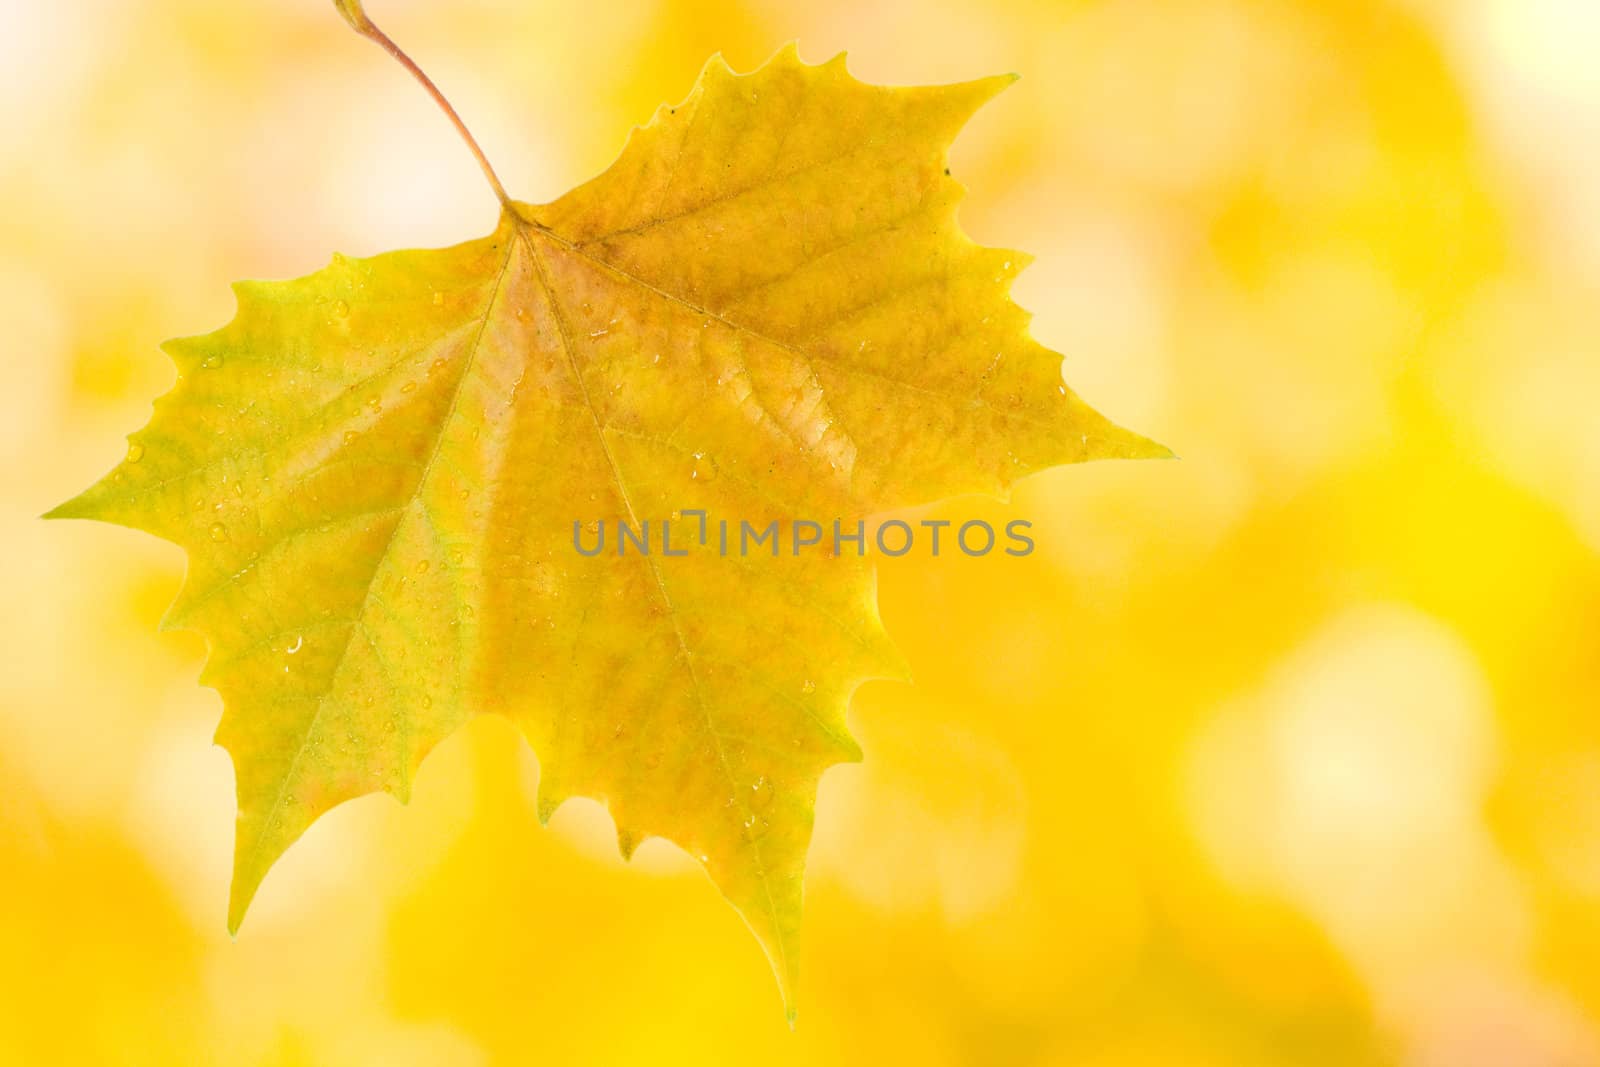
x: 765, y: 309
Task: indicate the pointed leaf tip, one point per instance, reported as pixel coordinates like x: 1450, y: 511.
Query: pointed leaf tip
x: 238, y: 904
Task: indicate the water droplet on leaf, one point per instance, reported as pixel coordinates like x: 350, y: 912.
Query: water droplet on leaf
x: 705, y: 469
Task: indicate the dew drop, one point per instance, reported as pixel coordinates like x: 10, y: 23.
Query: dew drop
x: 427, y: 701
x: 341, y: 309
x: 422, y: 566
x: 705, y: 469
x: 219, y: 532
x: 438, y: 299
x: 375, y: 404
x: 350, y: 437
x: 299, y: 643
x: 809, y: 686
x: 409, y: 387
x: 211, y: 362
x: 135, y: 453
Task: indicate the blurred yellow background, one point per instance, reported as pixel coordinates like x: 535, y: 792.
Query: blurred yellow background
x: 1287, y: 753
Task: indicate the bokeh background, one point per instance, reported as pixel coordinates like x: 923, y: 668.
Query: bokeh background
x: 1286, y: 753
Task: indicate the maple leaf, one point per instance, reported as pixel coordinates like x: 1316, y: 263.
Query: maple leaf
x: 764, y: 309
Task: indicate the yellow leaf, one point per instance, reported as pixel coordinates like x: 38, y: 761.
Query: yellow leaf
x: 765, y: 311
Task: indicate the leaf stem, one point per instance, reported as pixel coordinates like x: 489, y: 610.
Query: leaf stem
x: 356, y: 16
